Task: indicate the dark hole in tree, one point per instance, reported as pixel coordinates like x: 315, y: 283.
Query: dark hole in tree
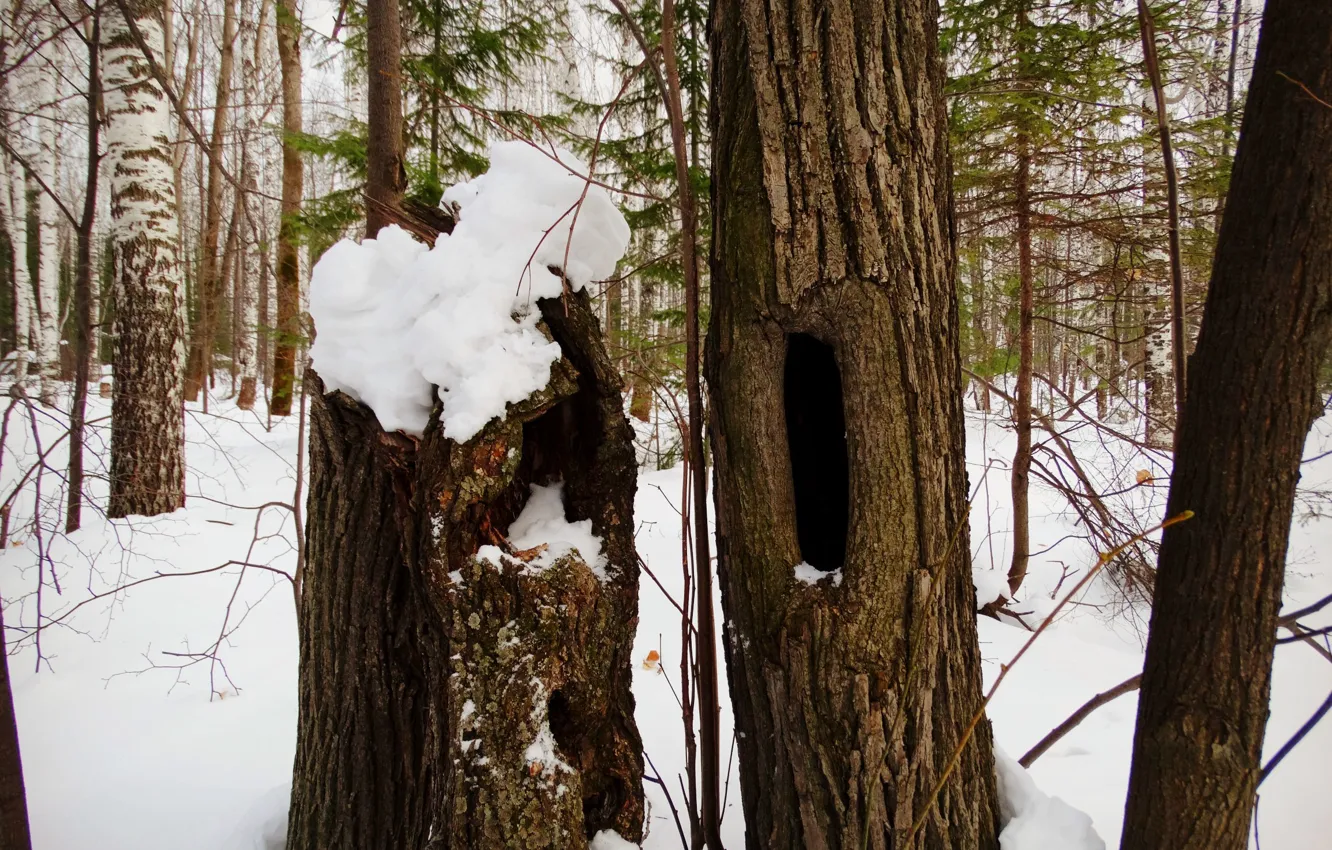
x: 816, y: 437
x: 559, y: 445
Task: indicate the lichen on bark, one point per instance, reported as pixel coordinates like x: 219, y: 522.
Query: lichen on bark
x: 492, y: 696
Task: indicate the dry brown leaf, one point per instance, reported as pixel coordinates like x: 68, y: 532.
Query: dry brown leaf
x: 1143, y: 476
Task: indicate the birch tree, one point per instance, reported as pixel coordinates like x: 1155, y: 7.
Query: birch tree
x: 46, y: 93
x: 147, y: 413
x: 14, y: 208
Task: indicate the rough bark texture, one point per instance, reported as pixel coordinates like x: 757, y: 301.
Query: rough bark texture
x: 14, y: 833
x: 147, y: 408
x: 833, y: 220
x: 288, y: 275
x: 386, y: 170
x: 1265, y: 332
x: 431, y: 678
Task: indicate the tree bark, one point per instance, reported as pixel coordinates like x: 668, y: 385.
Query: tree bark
x: 248, y: 279
x: 386, y: 170
x: 430, y: 678
x: 835, y: 378
x: 14, y: 832
x: 48, y: 220
x: 1265, y: 332
x: 287, y: 15
x: 211, y: 281
x: 147, y: 408
x: 1019, y: 483
x: 85, y: 339
x: 14, y: 212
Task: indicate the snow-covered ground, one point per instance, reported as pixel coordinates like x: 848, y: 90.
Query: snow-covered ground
x: 123, y: 747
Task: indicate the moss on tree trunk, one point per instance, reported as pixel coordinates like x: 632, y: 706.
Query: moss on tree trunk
x: 834, y: 372
x: 452, y: 701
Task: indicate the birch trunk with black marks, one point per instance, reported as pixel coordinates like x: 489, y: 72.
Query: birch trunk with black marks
x: 1265, y: 335
x: 248, y: 279
x: 835, y: 378
x: 147, y: 408
x: 47, y: 92
x: 14, y: 212
x: 445, y: 700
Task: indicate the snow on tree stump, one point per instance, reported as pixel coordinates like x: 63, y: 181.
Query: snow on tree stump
x: 470, y: 594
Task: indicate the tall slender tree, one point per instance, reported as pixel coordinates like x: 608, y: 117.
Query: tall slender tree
x: 1265, y: 335
x: 210, y: 279
x: 386, y: 165
x: 147, y: 408
x: 287, y: 14
x: 834, y: 373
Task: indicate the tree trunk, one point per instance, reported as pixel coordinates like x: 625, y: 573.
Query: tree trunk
x: 14, y: 833
x: 386, y: 171
x: 447, y: 701
x: 147, y: 412
x: 835, y: 377
x: 48, y: 223
x: 14, y: 214
x: 1265, y: 333
x: 248, y: 280
x: 211, y: 281
x: 288, y: 334
x: 1021, y: 473
x: 85, y: 339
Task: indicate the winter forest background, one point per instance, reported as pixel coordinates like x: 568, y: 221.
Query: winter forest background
x: 173, y: 173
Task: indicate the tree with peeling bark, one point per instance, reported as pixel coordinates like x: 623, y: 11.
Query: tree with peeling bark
x: 834, y: 373
x: 1265, y: 333
x: 147, y: 408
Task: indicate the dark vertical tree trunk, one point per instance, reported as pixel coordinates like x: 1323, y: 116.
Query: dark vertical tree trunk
x: 85, y: 353
x: 14, y: 834
x: 1265, y: 333
x: 386, y: 170
x: 287, y: 15
x: 429, y: 675
x: 211, y: 280
x: 835, y: 378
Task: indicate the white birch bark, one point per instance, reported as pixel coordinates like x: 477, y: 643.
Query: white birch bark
x: 46, y: 91
x: 246, y: 295
x: 147, y: 414
x: 1158, y: 368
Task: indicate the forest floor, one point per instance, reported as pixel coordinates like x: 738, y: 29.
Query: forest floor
x: 143, y: 730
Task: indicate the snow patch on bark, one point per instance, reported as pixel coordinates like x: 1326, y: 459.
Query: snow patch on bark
x: 396, y: 320
x: 1032, y: 820
x: 813, y: 575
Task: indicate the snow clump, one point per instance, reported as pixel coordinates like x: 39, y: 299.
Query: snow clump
x: 541, y: 522
x: 1032, y: 820
x: 394, y: 319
